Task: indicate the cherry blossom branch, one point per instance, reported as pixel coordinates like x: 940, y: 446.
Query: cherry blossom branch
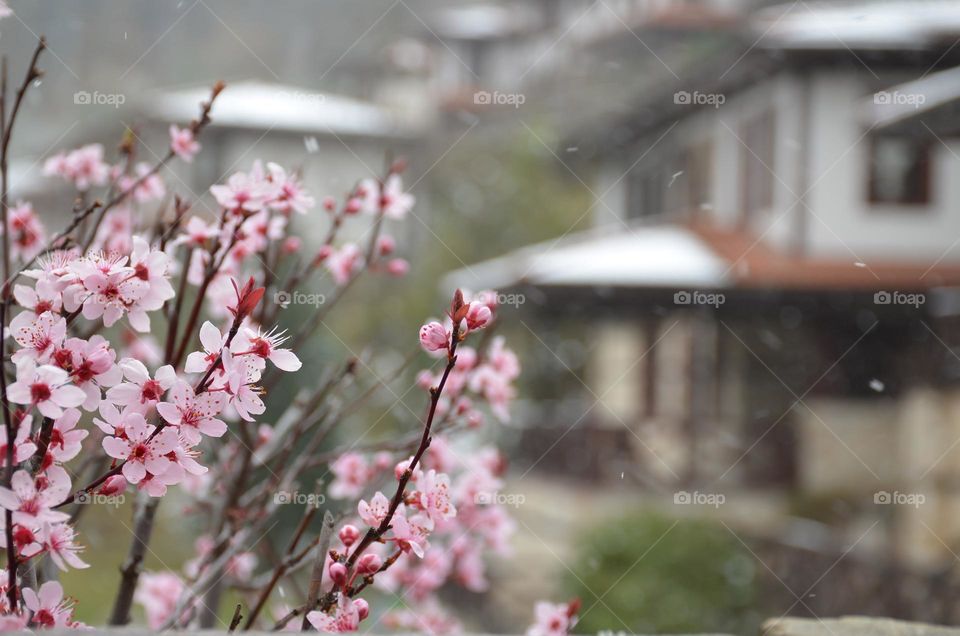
x: 7, y: 127
x: 375, y: 534
x: 458, y: 311
x: 200, y: 387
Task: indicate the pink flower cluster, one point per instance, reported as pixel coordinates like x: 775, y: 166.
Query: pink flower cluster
x: 147, y: 347
x: 444, y: 516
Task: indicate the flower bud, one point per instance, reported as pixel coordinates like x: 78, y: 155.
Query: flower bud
x: 322, y: 254
x: 369, y: 564
x: 398, y: 267
x: 363, y: 608
x: 349, y: 535
x: 386, y: 245
x: 338, y: 573
x: 292, y: 244
x: 114, y: 485
x: 353, y: 205
x: 329, y: 204
x: 433, y: 337
x: 478, y: 316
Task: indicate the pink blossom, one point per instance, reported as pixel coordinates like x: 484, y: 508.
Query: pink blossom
x: 110, y: 289
x: 434, y: 496
x: 193, y: 414
x: 241, y: 377
x: 369, y: 564
x: 290, y: 194
x: 345, y: 617
x: 45, y: 387
x: 115, y: 233
x: 395, y: 202
x: 140, y: 453
x: 410, y: 533
x: 351, y: 475
x: 375, y: 512
x: 343, y: 263
x: 90, y: 364
x: 48, y: 606
x: 27, y: 235
x: 31, y: 500
x: 267, y: 347
x: 151, y: 267
x: 65, y: 437
x: 159, y: 593
x: 114, y: 485
x: 434, y: 337
x: 182, y: 143
x: 348, y: 535
x: 38, y: 335
x: 398, y: 267
x: 478, y: 316
x: 243, y: 193
x: 23, y: 446
x: 141, y: 392
x: 553, y: 619
x: 197, y: 232
x: 59, y: 541
x: 212, y: 341
x: 42, y: 298
x: 84, y: 166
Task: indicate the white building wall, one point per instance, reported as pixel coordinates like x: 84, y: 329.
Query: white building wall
x: 846, y: 225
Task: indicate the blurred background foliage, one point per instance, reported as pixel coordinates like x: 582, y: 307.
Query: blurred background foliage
x: 685, y: 576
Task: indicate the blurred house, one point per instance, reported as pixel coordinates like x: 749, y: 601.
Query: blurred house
x: 332, y: 139
x: 770, y: 287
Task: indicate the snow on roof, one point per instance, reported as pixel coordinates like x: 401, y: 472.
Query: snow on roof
x: 901, y: 24
x: 653, y: 256
x: 265, y: 106
x: 910, y: 99
x: 482, y: 21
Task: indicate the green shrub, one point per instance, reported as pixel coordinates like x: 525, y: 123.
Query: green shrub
x: 645, y: 573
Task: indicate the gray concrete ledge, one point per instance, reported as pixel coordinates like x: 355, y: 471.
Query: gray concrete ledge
x: 853, y: 626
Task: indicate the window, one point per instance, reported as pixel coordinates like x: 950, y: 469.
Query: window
x: 757, y: 164
x: 646, y: 194
x: 899, y: 170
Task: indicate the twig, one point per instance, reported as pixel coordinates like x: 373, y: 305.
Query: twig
x: 237, y: 617
x: 316, y: 576
x: 7, y: 125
